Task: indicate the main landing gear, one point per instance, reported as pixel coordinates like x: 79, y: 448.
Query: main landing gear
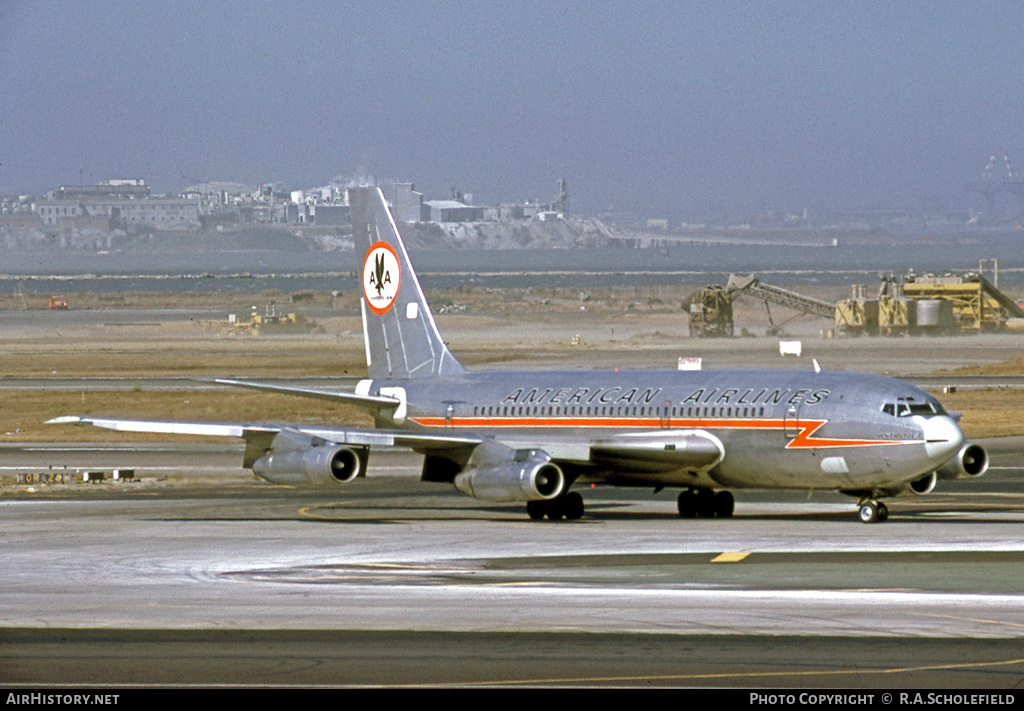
x: 706, y: 503
x: 703, y: 503
x: 569, y: 506
x: 872, y: 511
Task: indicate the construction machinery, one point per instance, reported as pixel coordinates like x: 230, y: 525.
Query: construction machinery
x: 802, y: 305
x: 710, y: 311
x: 710, y: 308
x: 929, y: 304
x: 917, y: 305
x: 858, y: 315
x: 270, y: 322
x: 975, y: 304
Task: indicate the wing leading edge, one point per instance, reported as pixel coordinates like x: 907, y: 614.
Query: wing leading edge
x: 355, y: 436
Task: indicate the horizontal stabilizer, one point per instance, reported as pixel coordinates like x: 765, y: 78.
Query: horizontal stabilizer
x: 366, y: 402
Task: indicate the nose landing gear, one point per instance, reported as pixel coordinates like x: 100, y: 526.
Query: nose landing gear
x: 872, y: 511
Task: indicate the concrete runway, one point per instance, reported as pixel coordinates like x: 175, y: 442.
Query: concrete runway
x: 199, y: 575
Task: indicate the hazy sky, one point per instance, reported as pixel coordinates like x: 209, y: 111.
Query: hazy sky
x: 681, y: 109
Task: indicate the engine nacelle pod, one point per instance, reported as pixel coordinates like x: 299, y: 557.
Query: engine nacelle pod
x: 532, y: 480
x: 315, y: 465
x: 922, y: 486
x: 970, y: 462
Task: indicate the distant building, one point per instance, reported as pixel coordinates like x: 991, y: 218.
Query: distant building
x: 511, y: 211
x: 298, y: 213
x: 323, y: 215
x: 52, y: 211
x: 452, y: 211
x: 406, y: 203
x: 121, y: 203
x: 120, y: 189
x: 158, y: 213
x: 220, y: 192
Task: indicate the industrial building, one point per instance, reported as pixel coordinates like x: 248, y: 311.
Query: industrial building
x: 451, y: 211
x: 157, y: 213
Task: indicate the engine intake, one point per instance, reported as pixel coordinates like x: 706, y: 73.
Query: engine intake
x: 970, y: 462
x: 315, y: 465
x: 924, y: 485
x: 532, y: 480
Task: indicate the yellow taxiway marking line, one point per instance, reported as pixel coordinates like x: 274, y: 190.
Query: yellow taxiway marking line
x: 732, y: 676
x: 730, y: 557
x: 960, y: 618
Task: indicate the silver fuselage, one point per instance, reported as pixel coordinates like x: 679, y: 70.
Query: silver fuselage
x: 778, y: 428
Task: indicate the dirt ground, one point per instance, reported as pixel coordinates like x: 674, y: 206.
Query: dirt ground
x: 188, y: 335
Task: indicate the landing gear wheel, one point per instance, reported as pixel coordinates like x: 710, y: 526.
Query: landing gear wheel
x: 535, y: 509
x: 569, y: 507
x: 572, y: 504
x: 873, y: 512
x: 705, y: 503
x: 687, y: 504
x: 724, y: 504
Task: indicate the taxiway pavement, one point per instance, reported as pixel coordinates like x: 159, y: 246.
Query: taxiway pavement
x: 198, y: 574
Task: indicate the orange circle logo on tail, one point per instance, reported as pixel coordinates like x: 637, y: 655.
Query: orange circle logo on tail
x: 381, y: 277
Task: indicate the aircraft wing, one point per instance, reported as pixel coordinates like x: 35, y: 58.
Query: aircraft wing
x: 296, y: 454
x: 697, y: 450
x: 336, y: 435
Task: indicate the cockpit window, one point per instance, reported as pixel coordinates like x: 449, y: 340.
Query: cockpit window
x: 923, y: 408
x: 906, y: 406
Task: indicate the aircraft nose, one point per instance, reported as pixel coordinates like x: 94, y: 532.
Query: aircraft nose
x: 942, y: 437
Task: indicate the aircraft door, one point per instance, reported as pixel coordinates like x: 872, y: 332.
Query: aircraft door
x: 791, y: 422
x: 449, y: 413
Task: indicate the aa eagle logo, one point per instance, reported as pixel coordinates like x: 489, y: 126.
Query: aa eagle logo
x: 381, y: 277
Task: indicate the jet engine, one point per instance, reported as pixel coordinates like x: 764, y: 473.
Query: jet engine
x: 313, y: 465
x: 918, y: 487
x: 534, y: 479
x: 924, y: 485
x: 970, y: 462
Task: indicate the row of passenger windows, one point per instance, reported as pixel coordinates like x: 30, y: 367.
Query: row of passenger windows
x: 612, y: 411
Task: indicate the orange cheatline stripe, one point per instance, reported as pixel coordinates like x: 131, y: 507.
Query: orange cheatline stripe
x: 804, y: 439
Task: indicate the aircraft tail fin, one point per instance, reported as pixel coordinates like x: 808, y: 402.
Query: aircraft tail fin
x: 402, y: 340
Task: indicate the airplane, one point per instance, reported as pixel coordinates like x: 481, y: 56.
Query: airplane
x: 529, y: 436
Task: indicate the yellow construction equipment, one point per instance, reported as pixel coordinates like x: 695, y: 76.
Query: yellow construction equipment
x: 710, y: 311
x: 975, y: 303
x: 270, y: 322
